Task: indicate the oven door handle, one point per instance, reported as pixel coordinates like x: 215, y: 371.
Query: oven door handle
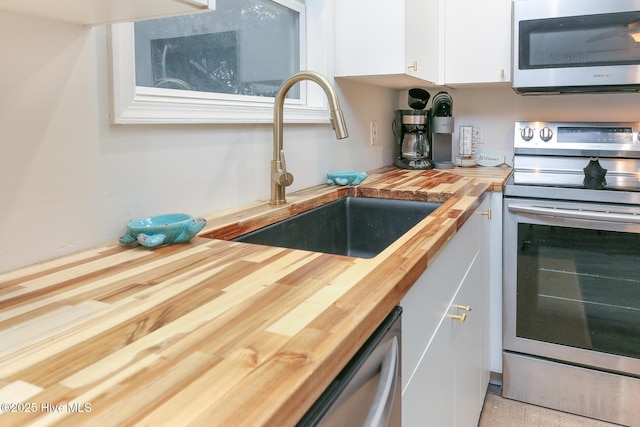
x: 577, y: 214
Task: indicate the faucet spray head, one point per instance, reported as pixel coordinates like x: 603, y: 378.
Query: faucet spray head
x: 338, y: 124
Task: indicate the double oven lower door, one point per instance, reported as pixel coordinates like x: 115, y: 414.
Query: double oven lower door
x: 572, y: 307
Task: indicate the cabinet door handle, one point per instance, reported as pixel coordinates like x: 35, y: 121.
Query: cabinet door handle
x: 487, y: 214
x: 463, y: 307
x: 414, y: 66
x: 460, y: 318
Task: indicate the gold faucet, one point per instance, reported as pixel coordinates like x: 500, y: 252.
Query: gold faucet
x: 280, y: 178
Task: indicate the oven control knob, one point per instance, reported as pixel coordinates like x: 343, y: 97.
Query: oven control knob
x: 527, y: 133
x: 546, y: 134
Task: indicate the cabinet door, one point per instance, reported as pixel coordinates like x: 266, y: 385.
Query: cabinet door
x: 424, y: 20
x: 477, y: 41
x: 379, y: 41
x: 471, y: 337
x: 369, y: 37
x: 448, y: 386
x: 469, y: 348
x: 429, y: 399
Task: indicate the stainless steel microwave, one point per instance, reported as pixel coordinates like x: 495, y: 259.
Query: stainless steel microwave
x: 576, y: 46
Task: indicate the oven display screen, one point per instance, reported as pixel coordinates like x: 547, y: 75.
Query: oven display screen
x: 599, y: 135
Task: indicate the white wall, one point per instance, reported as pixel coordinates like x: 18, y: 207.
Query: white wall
x: 70, y: 180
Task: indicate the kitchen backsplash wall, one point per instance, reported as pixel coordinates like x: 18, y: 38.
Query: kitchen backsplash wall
x: 493, y: 111
x: 70, y: 180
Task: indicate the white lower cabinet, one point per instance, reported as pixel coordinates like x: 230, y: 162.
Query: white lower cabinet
x: 445, y: 333
x: 428, y: 399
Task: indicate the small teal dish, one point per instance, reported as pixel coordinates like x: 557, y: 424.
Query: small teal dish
x: 346, y: 178
x: 161, y: 230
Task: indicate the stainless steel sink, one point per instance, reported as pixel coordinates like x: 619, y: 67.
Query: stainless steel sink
x: 354, y: 226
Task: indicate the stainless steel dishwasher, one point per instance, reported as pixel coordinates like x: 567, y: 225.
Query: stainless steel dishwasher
x: 367, y: 391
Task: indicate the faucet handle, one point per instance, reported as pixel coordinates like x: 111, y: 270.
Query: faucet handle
x: 283, y: 177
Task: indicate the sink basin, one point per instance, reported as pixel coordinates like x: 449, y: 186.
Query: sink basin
x: 354, y: 226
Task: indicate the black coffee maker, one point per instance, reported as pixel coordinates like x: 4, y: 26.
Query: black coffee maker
x: 412, y: 133
x: 441, y: 130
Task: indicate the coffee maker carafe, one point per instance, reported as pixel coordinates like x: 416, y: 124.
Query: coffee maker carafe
x: 411, y: 129
x: 414, y: 142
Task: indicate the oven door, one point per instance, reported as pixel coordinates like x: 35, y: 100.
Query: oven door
x: 572, y: 282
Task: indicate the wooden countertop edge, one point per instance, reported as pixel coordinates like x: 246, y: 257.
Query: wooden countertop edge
x: 353, y: 316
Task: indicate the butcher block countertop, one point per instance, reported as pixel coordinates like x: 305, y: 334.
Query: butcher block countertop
x: 212, y: 332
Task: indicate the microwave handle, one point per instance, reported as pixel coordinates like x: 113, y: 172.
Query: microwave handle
x: 383, y: 400
x: 577, y: 214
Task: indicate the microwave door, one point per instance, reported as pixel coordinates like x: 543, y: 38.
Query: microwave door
x: 595, y: 51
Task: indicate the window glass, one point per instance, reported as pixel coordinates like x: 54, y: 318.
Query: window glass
x: 244, y: 47
x: 222, y: 66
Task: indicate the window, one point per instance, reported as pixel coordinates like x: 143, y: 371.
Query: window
x: 222, y: 66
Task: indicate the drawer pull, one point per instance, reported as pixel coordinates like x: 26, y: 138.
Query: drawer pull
x: 460, y: 318
x: 463, y: 307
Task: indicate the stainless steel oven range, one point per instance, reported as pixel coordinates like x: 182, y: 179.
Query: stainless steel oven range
x: 571, y: 321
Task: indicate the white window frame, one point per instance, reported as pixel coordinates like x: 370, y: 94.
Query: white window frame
x: 133, y: 104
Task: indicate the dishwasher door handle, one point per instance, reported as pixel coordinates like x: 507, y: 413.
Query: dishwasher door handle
x: 380, y: 410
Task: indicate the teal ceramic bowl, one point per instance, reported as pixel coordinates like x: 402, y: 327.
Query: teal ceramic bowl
x: 345, y: 178
x: 164, y: 229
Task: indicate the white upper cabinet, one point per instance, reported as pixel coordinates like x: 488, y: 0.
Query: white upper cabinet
x: 389, y: 43
x: 477, y: 41
x: 423, y: 42
x: 95, y: 12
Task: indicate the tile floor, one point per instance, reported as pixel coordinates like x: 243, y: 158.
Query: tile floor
x: 499, y: 412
